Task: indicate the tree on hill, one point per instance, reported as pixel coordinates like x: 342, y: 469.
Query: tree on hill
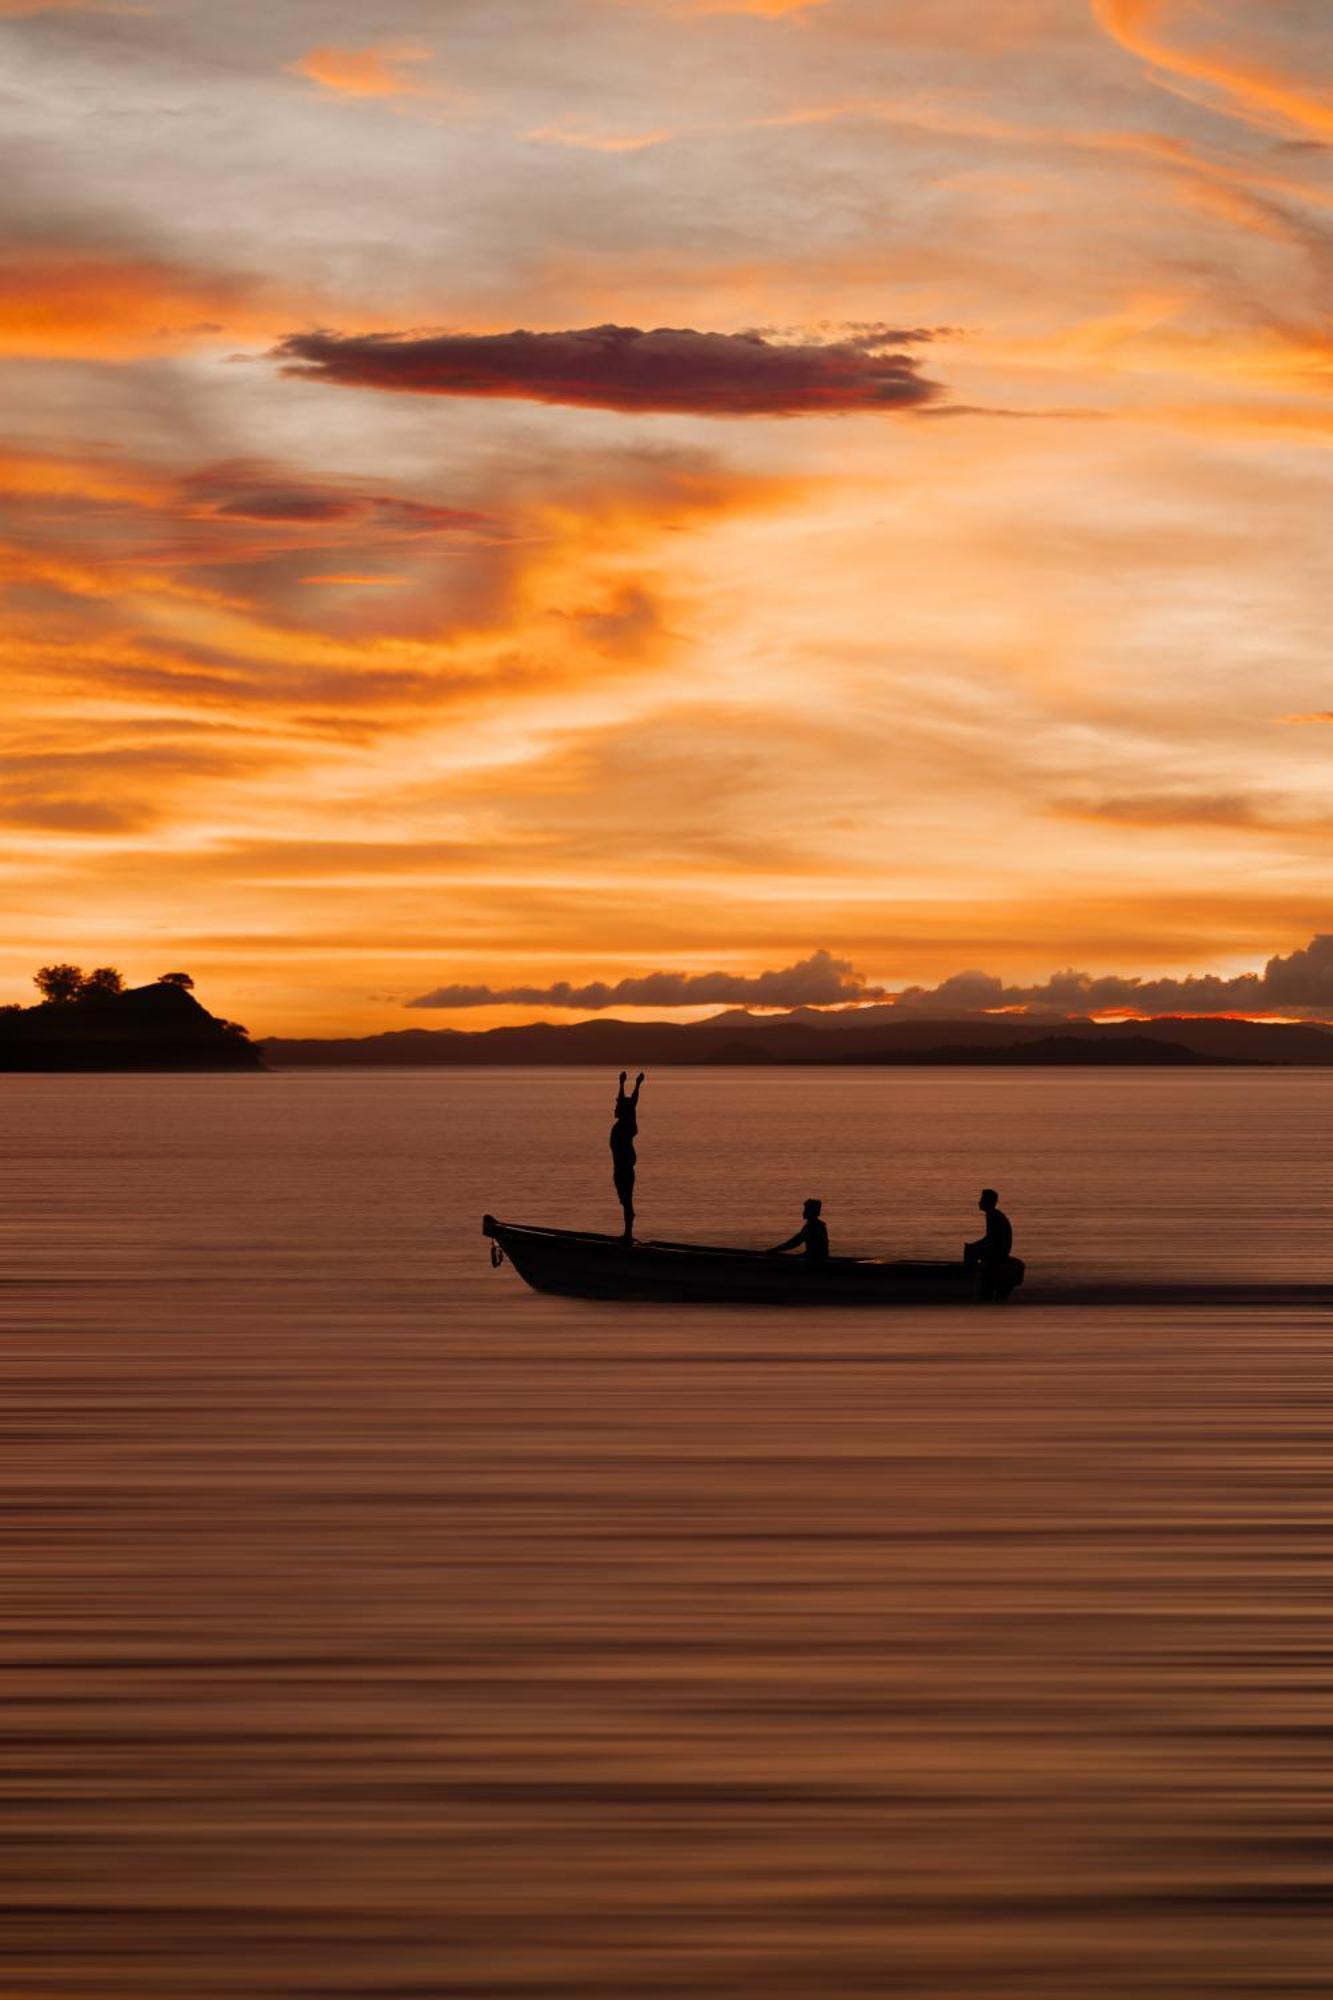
x: 181, y: 979
x: 59, y: 983
x: 103, y: 979
x: 90, y: 1021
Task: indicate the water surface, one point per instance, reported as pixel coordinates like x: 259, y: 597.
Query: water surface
x: 376, y: 1628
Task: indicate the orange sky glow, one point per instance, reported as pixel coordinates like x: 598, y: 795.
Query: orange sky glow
x: 933, y: 572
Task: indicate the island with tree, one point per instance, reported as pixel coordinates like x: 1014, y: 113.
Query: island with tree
x: 93, y: 1021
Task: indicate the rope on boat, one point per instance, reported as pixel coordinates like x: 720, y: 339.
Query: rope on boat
x: 497, y: 1255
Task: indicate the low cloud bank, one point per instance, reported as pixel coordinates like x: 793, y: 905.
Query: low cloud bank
x: 818, y: 981
x: 670, y: 370
x: 1300, y: 984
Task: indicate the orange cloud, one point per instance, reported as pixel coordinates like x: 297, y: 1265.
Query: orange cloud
x: 107, y: 607
x: 376, y: 71
x: 1245, y: 90
x: 771, y: 9
x: 633, y: 670
x: 1237, y: 812
x: 81, y: 304
x: 41, y: 477
x: 100, y: 527
x: 600, y: 142
x: 127, y: 783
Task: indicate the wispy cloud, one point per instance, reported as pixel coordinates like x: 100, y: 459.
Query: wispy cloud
x: 258, y: 491
x: 126, y: 784
x: 589, y: 139
x: 772, y: 10
x: 932, y: 694
x: 1156, y: 810
x: 383, y: 69
x: 1222, y: 80
x: 71, y: 303
x: 22, y: 10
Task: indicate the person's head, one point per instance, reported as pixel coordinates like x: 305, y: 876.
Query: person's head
x: 989, y: 1199
x: 811, y: 1209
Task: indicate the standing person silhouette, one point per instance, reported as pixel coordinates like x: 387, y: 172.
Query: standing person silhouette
x: 991, y: 1252
x: 624, y: 1131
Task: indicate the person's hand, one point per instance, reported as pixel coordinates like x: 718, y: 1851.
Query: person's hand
x: 640, y: 1076
x: 623, y: 1074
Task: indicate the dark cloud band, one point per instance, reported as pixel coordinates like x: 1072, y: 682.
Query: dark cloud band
x: 1300, y: 983
x: 818, y: 981
x: 671, y: 370
x: 254, y: 490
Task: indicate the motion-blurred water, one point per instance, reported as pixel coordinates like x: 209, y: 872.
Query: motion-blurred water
x: 374, y: 1627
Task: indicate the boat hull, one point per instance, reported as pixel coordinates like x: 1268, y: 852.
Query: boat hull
x: 580, y: 1264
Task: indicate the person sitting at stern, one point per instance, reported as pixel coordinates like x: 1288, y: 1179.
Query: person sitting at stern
x: 989, y: 1255
x: 812, y: 1237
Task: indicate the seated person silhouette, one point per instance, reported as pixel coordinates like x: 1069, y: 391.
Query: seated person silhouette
x: 812, y: 1237
x: 624, y: 1131
x: 989, y: 1255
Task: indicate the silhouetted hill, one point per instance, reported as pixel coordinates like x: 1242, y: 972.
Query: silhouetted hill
x: 541, y: 1043
x: 1084, y: 1051
x: 1220, y: 1038
x: 146, y: 1028
x: 1240, y: 1041
x: 752, y: 1041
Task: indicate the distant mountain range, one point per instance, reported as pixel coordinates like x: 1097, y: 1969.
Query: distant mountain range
x: 869, y: 1035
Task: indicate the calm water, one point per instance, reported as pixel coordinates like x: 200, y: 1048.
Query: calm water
x: 373, y: 1627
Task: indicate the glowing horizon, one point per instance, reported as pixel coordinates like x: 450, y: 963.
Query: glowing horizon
x: 579, y: 490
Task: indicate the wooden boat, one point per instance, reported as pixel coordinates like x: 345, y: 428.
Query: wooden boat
x: 579, y: 1264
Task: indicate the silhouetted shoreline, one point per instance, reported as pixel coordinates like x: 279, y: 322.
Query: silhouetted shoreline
x: 748, y: 1041
x: 147, y: 1028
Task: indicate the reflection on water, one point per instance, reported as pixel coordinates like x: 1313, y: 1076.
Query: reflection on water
x: 376, y: 1628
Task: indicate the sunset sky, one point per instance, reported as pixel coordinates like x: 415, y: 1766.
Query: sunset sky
x: 933, y: 571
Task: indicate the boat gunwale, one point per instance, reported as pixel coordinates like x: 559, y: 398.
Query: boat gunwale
x: 544, y: 1235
